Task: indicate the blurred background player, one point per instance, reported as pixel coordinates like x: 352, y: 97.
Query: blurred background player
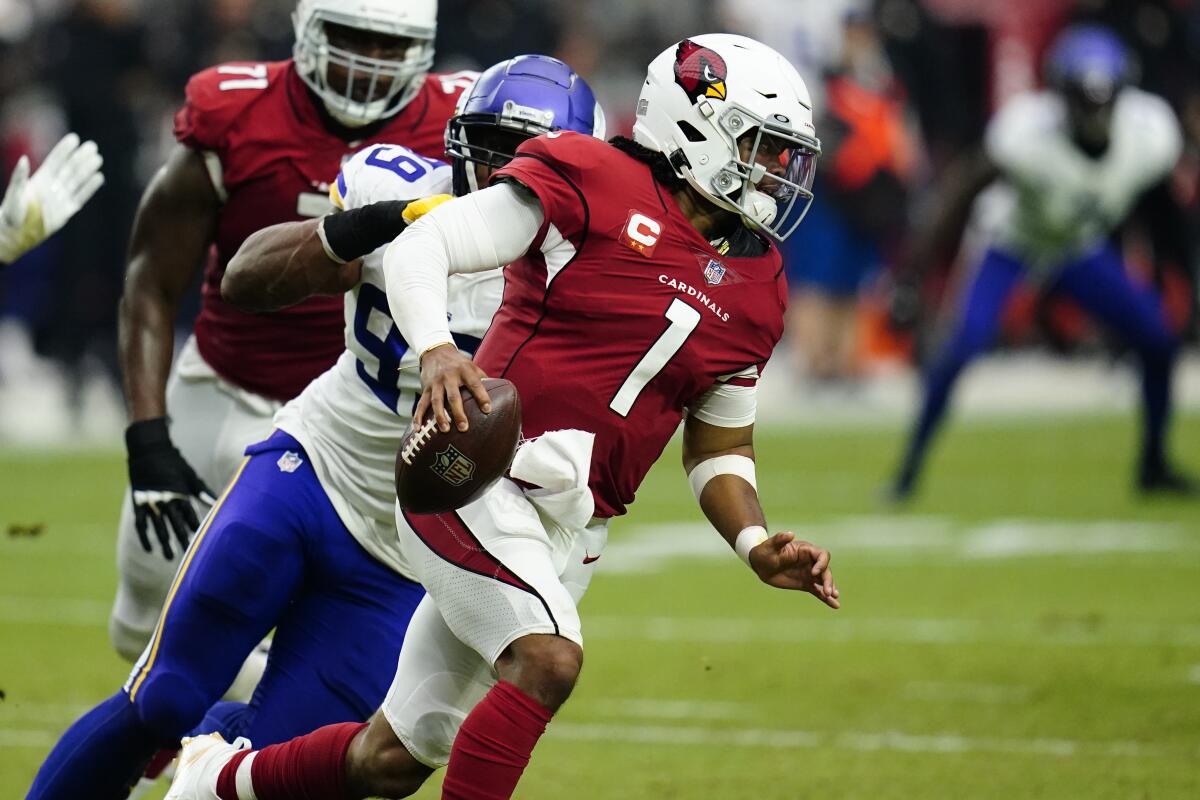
x: 35, y: 207
x: 1065, y: 166
x: 258, y: 143
x: 304, y: 539
x: 673, y: 224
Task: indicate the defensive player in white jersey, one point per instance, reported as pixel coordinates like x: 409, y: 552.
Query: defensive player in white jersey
x: 1065, y: 166
x: 303, y: 540
x: 36, y: 206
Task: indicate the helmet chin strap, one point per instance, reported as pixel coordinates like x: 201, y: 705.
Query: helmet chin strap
x: 759, y: 206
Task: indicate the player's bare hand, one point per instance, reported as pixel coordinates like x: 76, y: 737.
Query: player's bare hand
x: 443, y: 371
x: 786, y: 563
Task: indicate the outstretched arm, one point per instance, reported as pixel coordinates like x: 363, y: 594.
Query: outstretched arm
x: 284, y: 264
x: 720, y: 466
x: 287, y: 263
x: 483, y: 230
x: 943, y: 225
x: 938, y: 231
x: 35, y: 207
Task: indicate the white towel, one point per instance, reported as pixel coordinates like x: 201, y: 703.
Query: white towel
x: 558, y: 463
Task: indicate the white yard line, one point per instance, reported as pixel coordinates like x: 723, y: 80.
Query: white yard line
x: 857, y: 741
x: 73, y: 611
x: 651, y: 708
x: 654, y: 548
x: 744, y: 630
x: 954, y: 692
x: 12, y: 710
x: 32, y: 739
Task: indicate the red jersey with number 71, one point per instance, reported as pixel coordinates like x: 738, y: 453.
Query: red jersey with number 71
x: 622, y: 314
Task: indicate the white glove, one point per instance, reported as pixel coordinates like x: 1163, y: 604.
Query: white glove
x: 35, y: 208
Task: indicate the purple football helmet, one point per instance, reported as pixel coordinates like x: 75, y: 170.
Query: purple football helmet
x: 512, y: 101
x: 1089, y: 60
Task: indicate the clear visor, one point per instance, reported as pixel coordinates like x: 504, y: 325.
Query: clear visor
x: 772, y: 159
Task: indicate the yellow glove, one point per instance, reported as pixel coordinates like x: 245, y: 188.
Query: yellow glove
x: 419, y: 208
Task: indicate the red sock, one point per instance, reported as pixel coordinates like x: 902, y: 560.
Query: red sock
x: 311, y: 767
x: 493, y: 745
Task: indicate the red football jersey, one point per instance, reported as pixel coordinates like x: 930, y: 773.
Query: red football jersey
x: 276, y: 162
x: 622, y: 314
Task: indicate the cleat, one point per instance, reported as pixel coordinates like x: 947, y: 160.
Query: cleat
x: 1166, y: 481
x: 199, y: 765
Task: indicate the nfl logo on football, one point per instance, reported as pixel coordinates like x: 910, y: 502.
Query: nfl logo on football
x: 714, y: 272
x: 453, y: 467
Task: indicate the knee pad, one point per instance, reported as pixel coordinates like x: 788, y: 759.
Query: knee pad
x: 128, y: 640
x: 170, y: 704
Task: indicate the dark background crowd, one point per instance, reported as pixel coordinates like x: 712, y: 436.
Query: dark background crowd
x: 902, y: 88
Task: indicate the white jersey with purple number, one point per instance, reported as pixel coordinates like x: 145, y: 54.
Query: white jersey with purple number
x: 1053, y: 201
x: 351, y: 418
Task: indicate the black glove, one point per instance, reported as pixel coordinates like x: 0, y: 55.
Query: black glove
x: 162, y: 485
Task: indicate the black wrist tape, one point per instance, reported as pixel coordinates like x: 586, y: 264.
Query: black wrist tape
x: 355, y: 233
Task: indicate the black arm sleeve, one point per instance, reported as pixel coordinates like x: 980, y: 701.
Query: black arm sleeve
x: 355, y: 233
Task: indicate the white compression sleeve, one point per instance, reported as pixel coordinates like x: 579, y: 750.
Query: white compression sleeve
x: 484, y: 230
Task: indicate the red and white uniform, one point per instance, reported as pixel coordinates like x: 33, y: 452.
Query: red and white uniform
x: 609, y: 323
x: 271, y: 160
x: 619, y: 319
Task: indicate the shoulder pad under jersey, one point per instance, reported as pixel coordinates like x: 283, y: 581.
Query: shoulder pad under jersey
x: 388, y: 172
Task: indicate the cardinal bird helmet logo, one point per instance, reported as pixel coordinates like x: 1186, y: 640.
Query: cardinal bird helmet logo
x: 700, y: 71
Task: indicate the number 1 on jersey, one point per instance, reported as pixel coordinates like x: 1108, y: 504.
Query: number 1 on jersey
x: 684, y: 320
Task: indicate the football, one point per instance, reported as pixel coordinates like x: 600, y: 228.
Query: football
x: 438, y: 472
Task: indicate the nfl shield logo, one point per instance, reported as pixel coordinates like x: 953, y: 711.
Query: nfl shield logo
x: 289, y: 462
x: 714, y: 272
x: 452, y: 466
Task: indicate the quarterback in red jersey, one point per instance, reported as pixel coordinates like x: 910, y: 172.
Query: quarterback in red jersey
x: 641, y: 289
x: 257, y: 145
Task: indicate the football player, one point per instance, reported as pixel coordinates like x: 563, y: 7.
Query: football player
x: 303, y: 540
x: 641, y: 290
x: 258, y: 144
x: 1065, y: 166
x: 35, y: 207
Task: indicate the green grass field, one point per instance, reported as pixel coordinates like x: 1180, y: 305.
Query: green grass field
x: 1028, y: 629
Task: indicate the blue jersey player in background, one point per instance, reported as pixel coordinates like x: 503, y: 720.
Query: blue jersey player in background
x: 1061, y: 170
x: 303, y: 539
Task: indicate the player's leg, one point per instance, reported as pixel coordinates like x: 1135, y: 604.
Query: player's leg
x: 213, y: 428
x: 336, y: 645
x: 978, y: 317
x: 444, y: 705
x: 437, y: 680
x: 234, y: 582
x: 1099, y: 284
x: 499, y: 583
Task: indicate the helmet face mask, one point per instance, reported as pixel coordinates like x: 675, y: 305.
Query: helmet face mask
x: 734, y: 119
x: 771, y: 173
x: 365, y: 60
x: 512, y: 101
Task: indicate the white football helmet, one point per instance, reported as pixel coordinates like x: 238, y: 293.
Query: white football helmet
x: 734, y: 119
x: 390, y: 84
